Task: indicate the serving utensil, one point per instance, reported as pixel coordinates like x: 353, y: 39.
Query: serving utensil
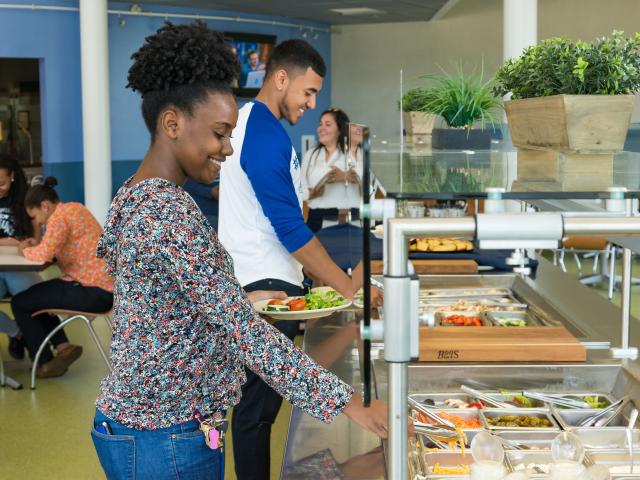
x: 439, y: 422
x: 561, y: 401
x: 603, y: 417
x: 485, y: 398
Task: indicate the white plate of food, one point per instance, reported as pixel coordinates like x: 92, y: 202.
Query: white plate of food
x: 319, y: 302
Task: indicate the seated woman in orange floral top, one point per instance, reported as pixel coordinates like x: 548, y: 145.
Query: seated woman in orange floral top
x: 70, y: 239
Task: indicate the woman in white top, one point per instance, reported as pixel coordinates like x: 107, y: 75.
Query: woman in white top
x: 331, y: 174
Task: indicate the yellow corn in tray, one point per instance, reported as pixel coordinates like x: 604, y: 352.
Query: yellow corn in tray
x: 457, y: 470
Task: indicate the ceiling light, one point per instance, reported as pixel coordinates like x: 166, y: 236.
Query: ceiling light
x: 357, y: 11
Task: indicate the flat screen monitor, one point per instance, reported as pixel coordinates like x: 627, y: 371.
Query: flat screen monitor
x: 253, y: 51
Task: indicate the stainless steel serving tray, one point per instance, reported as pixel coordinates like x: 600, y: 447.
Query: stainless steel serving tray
x: 607, y: 438
x: 468, y: 292
x: 441, y: 315
x: 569, y: 419
x: 519, y: 460
x: 580, y: 396
x: 470, y: 433
x: 613, y: 459
x: 444, y: 459
x: 534, y: 412
x: 439, y: 398
x: 498, y: 318
x: 535, y: 440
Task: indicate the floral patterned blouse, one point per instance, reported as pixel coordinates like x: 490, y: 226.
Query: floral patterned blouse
x: 70, y: 238
x: 183, y: 327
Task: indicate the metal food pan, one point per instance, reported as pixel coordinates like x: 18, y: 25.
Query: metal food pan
x: 481, y: 300
x: 507, y: 397
x: 520, y: 460
x: 464, y: 413
x: 607, y: 438
x: 487, y: 413
x: 467, y: 292
x: 569, y: 419
x: 497, y: 318
x: 470, y: 433
x: 617, y: 461
x: 444, y: 459
x: 441, y: 315
x: 580, y: 396
x: 439, y: 398
x: 533, y: 440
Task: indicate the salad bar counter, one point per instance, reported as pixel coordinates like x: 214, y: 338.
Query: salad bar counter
x: 525, y: 405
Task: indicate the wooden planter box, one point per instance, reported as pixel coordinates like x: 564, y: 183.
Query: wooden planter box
x: 418, y: 123
x: 570, y: 123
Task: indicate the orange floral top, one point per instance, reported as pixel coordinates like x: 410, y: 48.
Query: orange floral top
x: 71, y: 238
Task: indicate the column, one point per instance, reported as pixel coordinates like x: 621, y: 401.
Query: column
x: 520, y: 26
x: 96, y: 133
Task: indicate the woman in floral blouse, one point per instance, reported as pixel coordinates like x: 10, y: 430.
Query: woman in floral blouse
x: 183, y: 326
x: 70, y: 238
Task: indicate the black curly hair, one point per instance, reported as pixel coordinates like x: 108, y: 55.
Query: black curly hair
x: 180, y: 65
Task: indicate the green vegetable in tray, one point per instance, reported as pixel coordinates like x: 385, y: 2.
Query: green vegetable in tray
x: 512, y: 322
x: 596, y: 401
x: 323, y: 299
x: 523, y: 401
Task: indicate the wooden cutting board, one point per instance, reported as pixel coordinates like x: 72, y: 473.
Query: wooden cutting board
x: 433, y: 267
x: 499, y: 344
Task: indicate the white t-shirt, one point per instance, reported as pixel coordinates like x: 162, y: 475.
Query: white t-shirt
x: 336, y: 195
x: 260, y: 220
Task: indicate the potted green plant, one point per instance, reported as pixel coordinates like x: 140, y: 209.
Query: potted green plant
x: 572, y: 96
x: 466, y: 104
x: 417, y: 124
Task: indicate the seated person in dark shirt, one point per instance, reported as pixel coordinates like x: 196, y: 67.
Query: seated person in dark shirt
x: 206, y: 197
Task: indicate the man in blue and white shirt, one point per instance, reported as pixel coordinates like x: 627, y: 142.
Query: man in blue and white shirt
x: 262, y: 226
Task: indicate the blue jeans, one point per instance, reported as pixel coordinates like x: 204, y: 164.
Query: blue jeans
x: 12, y: 283
x: 178, y: 452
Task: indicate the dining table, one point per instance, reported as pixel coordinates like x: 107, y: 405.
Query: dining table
x: 12, y: 261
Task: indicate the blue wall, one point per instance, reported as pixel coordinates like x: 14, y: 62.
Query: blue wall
x: 54, y: 37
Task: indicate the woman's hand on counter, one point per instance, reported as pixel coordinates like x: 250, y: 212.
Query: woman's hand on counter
x: 373, y: 419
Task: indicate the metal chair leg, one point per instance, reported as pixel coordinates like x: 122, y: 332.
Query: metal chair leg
x: 561, y: 261
x: 2, y: 380
x: 63, y: 323
x: 576, y: 258
x: 109, y: 321
x: 97, y: 342
x: 45, y: 343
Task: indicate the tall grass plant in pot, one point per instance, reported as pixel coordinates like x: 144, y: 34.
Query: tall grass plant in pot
x: 466, y: 104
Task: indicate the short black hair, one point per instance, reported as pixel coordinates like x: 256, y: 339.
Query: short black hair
x: 180, y: 65
x: 295, y: 55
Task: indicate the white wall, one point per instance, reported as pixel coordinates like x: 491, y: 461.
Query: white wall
x: 366, y: 59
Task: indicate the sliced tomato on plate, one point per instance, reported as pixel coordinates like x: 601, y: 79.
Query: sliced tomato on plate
x: 297, y: 304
